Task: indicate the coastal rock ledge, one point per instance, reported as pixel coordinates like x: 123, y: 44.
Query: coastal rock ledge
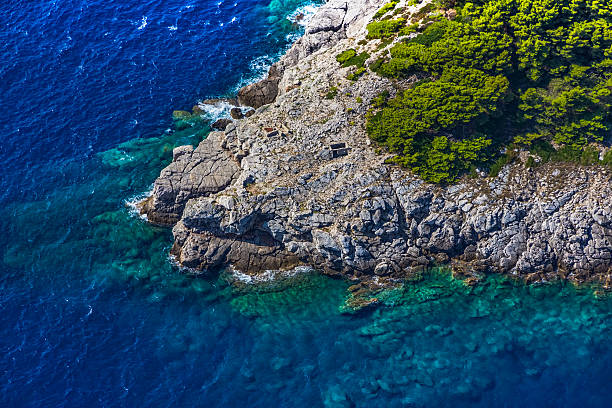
x: 298, y: 183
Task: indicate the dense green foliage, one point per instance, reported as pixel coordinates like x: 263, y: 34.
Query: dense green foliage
x: 354, y: 76
x: 385, y: 28
x: 345, y: 56
x: 385, y: 9
x: 502, y: 72
x: 351, y: 58
x: 459, y: 97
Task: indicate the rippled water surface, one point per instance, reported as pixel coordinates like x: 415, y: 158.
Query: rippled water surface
x: 92, y: 313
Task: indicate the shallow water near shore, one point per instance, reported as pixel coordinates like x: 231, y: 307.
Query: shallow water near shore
x: 93, y: 313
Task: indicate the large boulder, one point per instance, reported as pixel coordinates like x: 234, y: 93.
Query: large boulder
x: 329, y: 18
x: 259, y: 94
x: 252, y: 253
x: 236, y: 113
x: 221, y: 124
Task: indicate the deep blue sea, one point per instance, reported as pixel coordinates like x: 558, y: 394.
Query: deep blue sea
x: 92, y: 312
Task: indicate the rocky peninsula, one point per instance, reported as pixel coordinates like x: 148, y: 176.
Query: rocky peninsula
x: 300, y: 183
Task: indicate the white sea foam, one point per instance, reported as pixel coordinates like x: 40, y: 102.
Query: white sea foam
x: 293, y: 37
x: 268, y: 276
x: 218, y: 110
x: 143, y: 23
x: 174, y: 261
x: 303, y: 15
x: 132, y: 203
x: 258, y: 70
x: 259, y: 66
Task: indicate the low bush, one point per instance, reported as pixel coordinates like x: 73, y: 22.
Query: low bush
x: 332, y: 93
x: 385, y: 9
x: 351, y: 58
x: 354, y: 76
x: 385, y: 28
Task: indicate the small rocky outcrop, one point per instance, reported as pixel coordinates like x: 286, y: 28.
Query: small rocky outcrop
x: 259, y: 94
x: 236, y: 113
x: 221, y: 124
x: 193, y: 173
x: 272, y: 191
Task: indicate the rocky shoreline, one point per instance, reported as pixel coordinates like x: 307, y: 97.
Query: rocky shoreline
x: 299, y: 183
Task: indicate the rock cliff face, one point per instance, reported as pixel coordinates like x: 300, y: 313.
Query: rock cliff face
x: 298, y: 183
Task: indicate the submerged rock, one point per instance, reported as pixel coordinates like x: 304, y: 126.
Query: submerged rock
x: 181, y: 115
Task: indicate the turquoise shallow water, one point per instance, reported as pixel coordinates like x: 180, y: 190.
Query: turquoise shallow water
x: 92, y: 313
x: 96, y: 314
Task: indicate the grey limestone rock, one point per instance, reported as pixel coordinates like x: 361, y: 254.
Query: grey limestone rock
x: 267, y: 193
x: 259, y: 94
x: 193, y: 173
